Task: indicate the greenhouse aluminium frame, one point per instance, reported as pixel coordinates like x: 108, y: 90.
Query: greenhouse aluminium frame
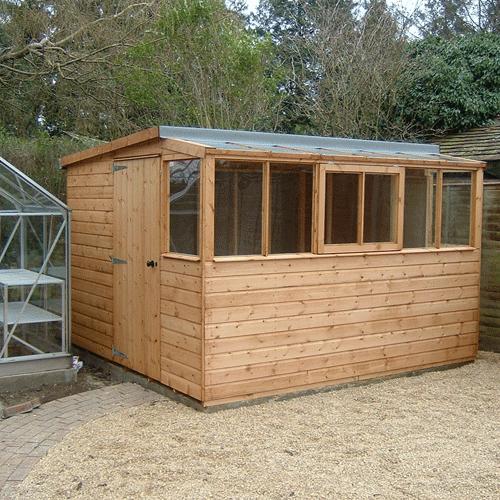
x: 34, y: 276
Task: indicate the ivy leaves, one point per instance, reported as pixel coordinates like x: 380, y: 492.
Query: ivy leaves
x: 454, y: 84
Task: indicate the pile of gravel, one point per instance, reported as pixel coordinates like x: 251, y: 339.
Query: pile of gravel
x: 431, y: 436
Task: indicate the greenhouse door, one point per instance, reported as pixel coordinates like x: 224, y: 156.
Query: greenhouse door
x: 136, y: 271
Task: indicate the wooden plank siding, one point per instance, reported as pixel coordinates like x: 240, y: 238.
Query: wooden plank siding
x: 90, y: 197
x: 181, y: 326
x: 288, y: 324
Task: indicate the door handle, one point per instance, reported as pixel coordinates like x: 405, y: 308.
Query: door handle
x: 151, y: 263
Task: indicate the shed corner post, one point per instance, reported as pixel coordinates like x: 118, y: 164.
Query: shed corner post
x: 207, y: 209
x: 476, y: 236
x: 477, y: 208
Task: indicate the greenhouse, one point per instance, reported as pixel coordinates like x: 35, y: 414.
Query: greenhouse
x: 34, y: 277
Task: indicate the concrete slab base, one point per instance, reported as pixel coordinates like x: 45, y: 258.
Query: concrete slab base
x: 12, y: 383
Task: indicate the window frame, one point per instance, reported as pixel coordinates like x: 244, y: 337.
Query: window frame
x: 267, y: 166
x: 362, y: 171
x: 439, y: 208
x: 165, y: 204
x: 319, y: 170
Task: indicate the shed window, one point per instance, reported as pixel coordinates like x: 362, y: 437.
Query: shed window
x: 456, y: 211
x: 437, y: 208
x: 262, y: 208
x: 359, y: 209
x: 238, y: 208
x: 184, y: 208
x: 290, y: 208
x: 420, y: 208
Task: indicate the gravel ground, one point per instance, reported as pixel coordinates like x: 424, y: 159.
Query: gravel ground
x: 431, y: 436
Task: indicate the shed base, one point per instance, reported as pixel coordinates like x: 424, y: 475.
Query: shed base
x: 122, y: 374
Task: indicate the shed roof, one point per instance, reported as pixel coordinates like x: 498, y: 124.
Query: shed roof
x: 206, y: 140
x: 287, y: 143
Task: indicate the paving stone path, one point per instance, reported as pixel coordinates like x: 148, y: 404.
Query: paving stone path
x: 25, y: 438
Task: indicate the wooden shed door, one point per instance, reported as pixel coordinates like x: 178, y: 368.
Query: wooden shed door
x: 136, y: 267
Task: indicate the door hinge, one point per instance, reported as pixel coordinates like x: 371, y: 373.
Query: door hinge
x: 116, y: 352
x: 115, y: 168
x: 114, y: 261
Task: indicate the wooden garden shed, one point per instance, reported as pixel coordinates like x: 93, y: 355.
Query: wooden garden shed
x: 233, y: 265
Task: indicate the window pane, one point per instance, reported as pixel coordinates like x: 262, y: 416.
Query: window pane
x: 380, y: 208
x: 291, y: 208
x: 341, y: 214
x: 420, y: 208
x: 455, y: 222
x: 184, y: 206
x: 238, y: 208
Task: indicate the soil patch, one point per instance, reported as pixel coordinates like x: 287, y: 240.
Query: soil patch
x: 88, y: 378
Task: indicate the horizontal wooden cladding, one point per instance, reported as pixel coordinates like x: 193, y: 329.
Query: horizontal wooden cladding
x: 91, y: 345
x: 101, y: 266
x: 350, y: 371
x: 181, y: 281
x: 180, y: 368
x: 330, y: 318
x: 181, y: 384
x: 317, y: 292
x: 92, y: 323
x: 94, y: 277
x: 226, y: 352
x: 181, y: 326
x: 191, y: 361
x: 342, y: 298
x: 374, y: 350
x: 179, y: 296
x: 98, y: 318
x: 304, y: 322
x: 185, y: 312
x: 86, y: 298
x: 84, y: 285
x: 81, y: 216
x: 92, y: 228
x: 90, y: 252
x: 93, y: 240
x: 182, y: 342
x: 294, y: 300
x: 296, y: 263
x: 94, y: 168
x: 101, y: 178
x: 79, y: 192
x: 336, y: 276
x: 91, y: 204
x: 304, y: 344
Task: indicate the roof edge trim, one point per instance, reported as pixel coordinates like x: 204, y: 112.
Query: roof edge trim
x: 108, y: 147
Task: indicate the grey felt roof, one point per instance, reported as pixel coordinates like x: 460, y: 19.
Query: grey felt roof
x: 286, y: 143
